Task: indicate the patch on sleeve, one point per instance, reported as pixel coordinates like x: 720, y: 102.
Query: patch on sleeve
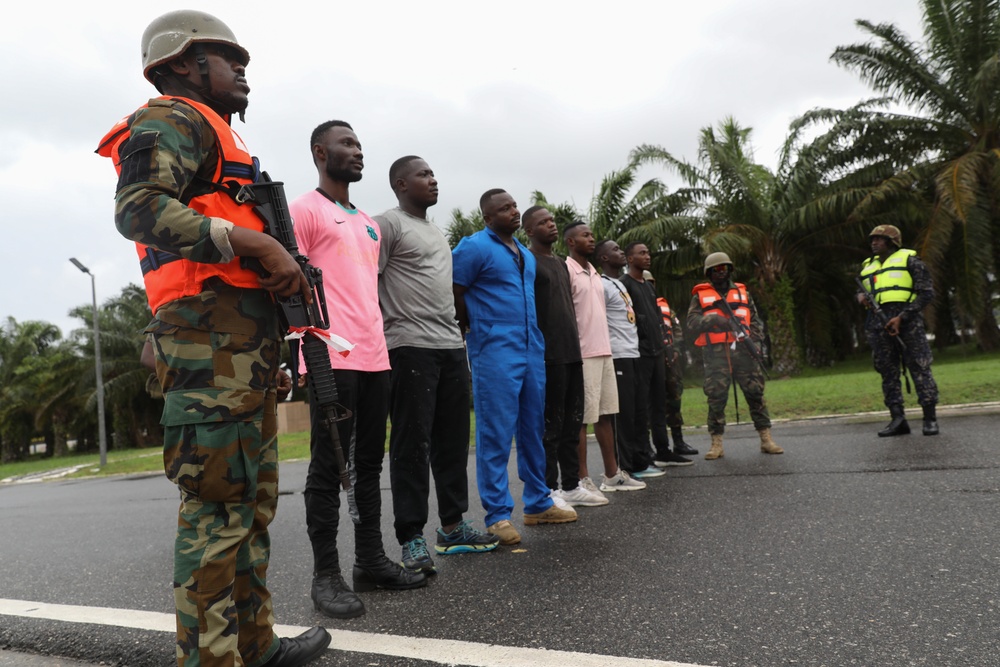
x: 137, y: 155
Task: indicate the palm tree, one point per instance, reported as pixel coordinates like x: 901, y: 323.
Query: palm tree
x: 926, y: 154
x: 775, y: 227
x: 462, y: 225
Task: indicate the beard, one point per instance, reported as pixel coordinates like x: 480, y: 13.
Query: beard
x: 337, y: 173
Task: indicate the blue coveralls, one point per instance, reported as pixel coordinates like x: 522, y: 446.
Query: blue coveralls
x: 507, y: 354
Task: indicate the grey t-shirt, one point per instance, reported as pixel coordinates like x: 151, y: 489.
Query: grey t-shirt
x: 621, y: 319
x: 414, y: 286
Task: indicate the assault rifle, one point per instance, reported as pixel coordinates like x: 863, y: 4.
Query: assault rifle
x: 296, y: 315
x: 884, y: 319
x: 743, y: 336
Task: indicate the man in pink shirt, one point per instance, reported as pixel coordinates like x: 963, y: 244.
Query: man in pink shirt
x: 343, y: 242
x: 600, y: 388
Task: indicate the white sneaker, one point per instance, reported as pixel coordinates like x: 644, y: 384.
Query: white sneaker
x: 559, y: 500
x: 588, y: 485
x: 621, y: 481
x: 580, y: 497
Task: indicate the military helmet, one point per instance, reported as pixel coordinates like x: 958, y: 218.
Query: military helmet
x: 170, y: 35
x: 890, y: 232
x: 715, y: 259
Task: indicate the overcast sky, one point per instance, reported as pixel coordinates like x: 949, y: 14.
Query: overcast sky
x: 542, y: 95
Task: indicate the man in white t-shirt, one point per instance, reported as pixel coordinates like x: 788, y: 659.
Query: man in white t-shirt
x: 429, y: 396
x: 343, y: 242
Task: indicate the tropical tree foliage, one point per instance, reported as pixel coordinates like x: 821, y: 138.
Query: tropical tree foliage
x: 925, y: 154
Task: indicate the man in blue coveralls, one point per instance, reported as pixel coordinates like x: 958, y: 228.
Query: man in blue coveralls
x: 494, y: 282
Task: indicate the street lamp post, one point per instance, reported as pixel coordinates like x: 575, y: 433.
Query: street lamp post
x: 101, y: 435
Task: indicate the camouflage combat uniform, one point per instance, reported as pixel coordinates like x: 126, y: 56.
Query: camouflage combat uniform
x: 217, y: 356
x: 887, y: 355
x: 722, y: 364
x: 674, y: 346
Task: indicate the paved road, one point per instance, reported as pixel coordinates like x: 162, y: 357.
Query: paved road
x: 847, y: 550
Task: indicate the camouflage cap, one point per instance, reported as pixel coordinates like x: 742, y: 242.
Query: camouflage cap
x: 890, y: 232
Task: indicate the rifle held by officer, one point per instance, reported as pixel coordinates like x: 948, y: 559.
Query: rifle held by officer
x: 884, y: 319
x: 743, y: 336
x: 298, y: 317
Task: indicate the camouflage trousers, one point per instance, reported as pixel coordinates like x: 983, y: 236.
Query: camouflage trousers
x: 722, y: 365
x: 674, y: 389
x: 888, y: 358
x: 220, y: 449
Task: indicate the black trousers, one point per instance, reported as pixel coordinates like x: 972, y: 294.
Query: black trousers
x: 631, y: 441
x: 362, y: 437
x: 651, y: 403
x: 563, y: 421
x: 429, y: 411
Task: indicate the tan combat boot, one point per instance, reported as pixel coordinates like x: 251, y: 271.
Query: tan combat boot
x: 715, y: 451
x: 767, y: 445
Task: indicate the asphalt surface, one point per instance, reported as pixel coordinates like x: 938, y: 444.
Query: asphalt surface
x: 847, y: 550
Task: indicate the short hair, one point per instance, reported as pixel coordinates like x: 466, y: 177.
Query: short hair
x: 322, y: 129
x: 530, y: 212
x: 488, y: 195
x: 631, y: 246
x: 397, y: 167
x: 597, y: 248
x: 571, y: 226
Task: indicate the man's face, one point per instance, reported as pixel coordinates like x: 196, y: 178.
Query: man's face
x: 719, y: 275
x: 640, y: 257
x: 501, y: 215
x: 881, y: 245
x: 613, y: 255
x: 542, y: 227
x: 226, y: 77
x: 340, y: 152
x: 419, y: 184
x: 581, y: 239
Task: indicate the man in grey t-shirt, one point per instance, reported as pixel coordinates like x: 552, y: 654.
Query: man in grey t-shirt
x: 429, y: 381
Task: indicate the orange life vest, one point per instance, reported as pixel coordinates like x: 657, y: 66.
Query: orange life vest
x: 738, y: 301
x: 668, y: 320
x: 168, y: 276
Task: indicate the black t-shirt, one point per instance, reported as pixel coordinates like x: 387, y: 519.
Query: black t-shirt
x: 649, y: 318
x: 556, y: 315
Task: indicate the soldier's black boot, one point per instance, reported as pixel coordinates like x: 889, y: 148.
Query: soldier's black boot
x: 300, y: 650
x: 930, y: 420
x: 898, y: 425
x: 681, y: 447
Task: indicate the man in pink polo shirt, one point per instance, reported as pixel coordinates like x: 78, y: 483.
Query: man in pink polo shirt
x: 600, y: 388
x: 343, y: 242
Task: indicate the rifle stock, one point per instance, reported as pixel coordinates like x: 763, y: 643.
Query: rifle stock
x: 294, y: 311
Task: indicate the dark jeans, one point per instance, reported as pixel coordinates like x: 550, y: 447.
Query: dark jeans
x: 651, y: 403
x: 563, y: 420
x: 429, y: 406
x: 362, y: 437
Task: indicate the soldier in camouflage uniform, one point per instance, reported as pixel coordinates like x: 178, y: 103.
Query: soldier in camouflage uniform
x: 902, y: 288
x: 215, y: 337
x: 724, y: 362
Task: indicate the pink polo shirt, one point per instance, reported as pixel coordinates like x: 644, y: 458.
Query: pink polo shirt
x: 344, y: 244
x: 591, y: 316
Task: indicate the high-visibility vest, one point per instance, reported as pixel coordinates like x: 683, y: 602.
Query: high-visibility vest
x: 890, y: 281
x: 168, y: 276
x: 739, y: 303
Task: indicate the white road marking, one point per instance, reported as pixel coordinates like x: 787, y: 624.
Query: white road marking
x: 444, y: 651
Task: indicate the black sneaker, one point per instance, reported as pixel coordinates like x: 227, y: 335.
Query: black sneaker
x: 668, y: 459
x: 684, y: 449
x: 416, y: 558
x: 464, y: 538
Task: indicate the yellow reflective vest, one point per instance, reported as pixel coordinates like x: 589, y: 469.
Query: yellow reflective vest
x: 890, y: 281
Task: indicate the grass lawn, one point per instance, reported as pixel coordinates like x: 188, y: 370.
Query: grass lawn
x: 849, y: 387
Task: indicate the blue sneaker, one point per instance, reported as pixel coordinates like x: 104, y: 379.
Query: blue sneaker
x: 465, y: 539
x: 651, y: 471
x: 416, y: 558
